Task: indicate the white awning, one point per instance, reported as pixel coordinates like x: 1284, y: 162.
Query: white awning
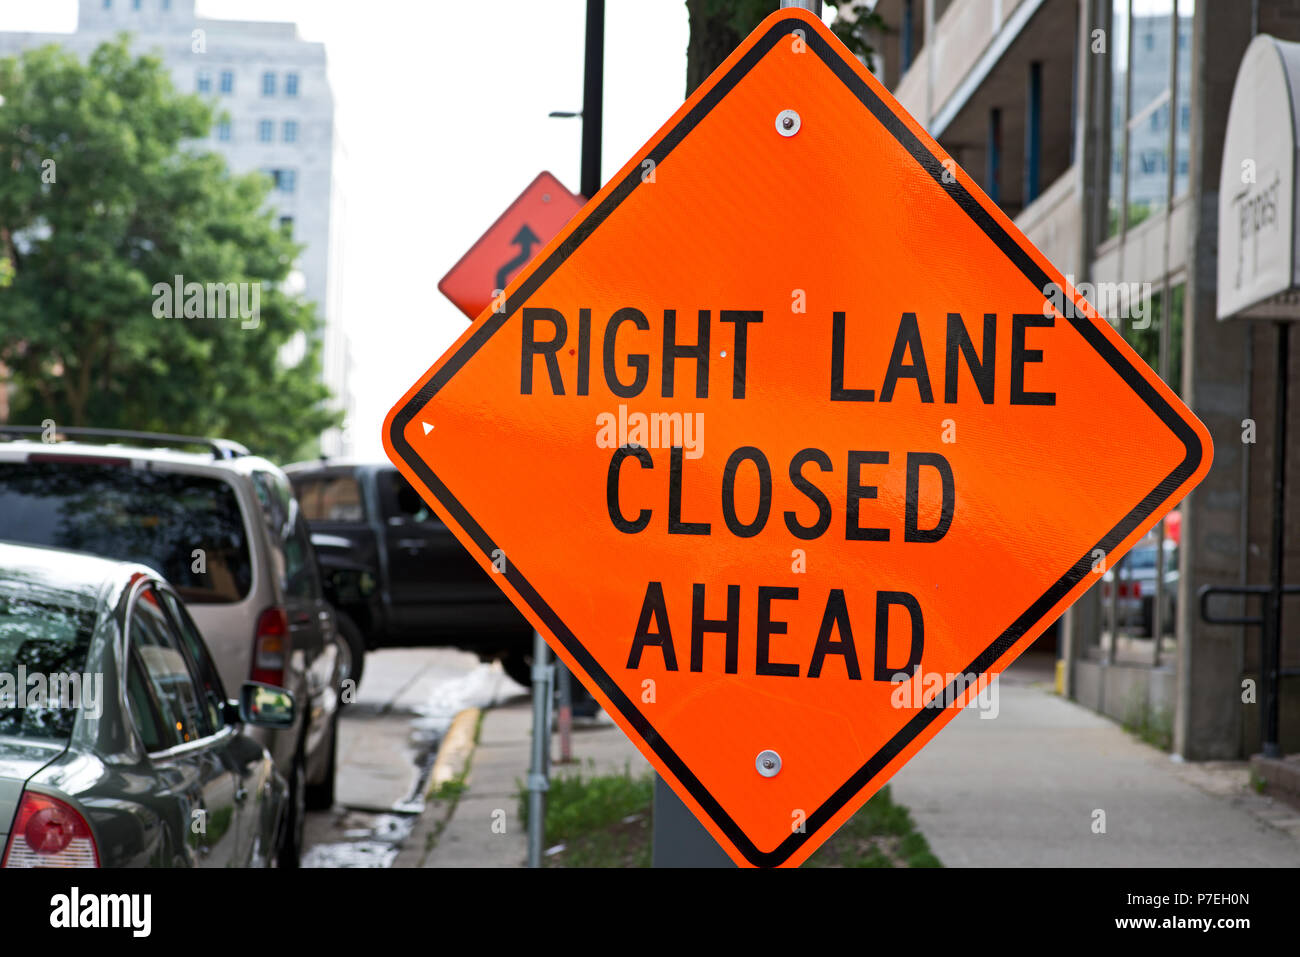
x: 1259, y: 276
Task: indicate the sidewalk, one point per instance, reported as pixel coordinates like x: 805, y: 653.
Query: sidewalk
x: 1019, y: 790
x: 485, y: 829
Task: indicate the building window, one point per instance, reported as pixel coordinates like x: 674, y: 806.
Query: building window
x: 265, y: 131
x: 291, y: 131
x: 1182, y: 96
x: 227, y: 82
x: 286, y: 225
x: 284, y: 180
x: 135, y: 4
x: 167, y: 5
x: 108, y: 4
x: 291, y: 84
x: 223, y: 131
x: 268, y: 84
x: 1142, y: 107
x: 204, y: 82
x: 905, y: 39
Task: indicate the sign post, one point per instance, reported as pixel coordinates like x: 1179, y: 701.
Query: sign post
x: 791, y: 442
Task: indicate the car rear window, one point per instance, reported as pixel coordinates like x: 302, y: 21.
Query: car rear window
x: 188, y: 528
x: 43, y: 648
x: 330, y: 498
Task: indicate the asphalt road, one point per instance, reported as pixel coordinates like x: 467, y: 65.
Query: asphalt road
x: 387, y: 741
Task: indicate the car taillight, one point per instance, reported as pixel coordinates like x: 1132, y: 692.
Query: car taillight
x: 271, y: 647
x: 49, y: 833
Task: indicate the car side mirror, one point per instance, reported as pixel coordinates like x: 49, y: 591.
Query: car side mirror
x: 265, y: 706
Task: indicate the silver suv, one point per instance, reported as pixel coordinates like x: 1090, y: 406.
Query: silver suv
x: 223, y: 527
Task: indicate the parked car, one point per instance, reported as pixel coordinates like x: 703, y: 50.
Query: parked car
x: 401, y: 576
x: 118, y: 745
x: 1134, y: 577
x: 222, y: 526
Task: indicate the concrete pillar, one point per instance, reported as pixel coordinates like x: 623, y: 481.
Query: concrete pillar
x: 1207, y: 718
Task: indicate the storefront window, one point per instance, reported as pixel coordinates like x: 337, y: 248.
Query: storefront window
x: 1118, y: 48
x: 1144, y: 107
x: 1149, y: 113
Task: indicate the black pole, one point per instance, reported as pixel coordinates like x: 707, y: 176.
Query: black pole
x: 1273, y: 620
x: 593, y: 86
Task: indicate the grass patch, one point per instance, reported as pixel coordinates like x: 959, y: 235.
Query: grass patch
x: 606, y: 821
x: 881, y: 834
x: 1156, y: 729
x: 601, y: 820
x: 451, y: 789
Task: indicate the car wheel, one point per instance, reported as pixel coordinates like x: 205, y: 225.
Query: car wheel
x: 518, y: 664
x: 320, y: 797
x: 291, y: 847
x: 356, y: 642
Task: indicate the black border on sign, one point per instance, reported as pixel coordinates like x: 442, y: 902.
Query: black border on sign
x: 1031, y: 270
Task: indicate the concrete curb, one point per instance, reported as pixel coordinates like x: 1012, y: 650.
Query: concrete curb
x: 454, y: 754
x: 455, y: 751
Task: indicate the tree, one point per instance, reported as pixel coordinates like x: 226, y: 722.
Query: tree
x: 105, y: 199
x: 718, y: 26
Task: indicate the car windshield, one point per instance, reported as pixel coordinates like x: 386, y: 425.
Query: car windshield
x: 43, y: 648
x: 188, y: 528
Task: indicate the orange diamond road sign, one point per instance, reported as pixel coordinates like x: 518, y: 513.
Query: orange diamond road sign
x: 790, y: 441
x: 509, y: 244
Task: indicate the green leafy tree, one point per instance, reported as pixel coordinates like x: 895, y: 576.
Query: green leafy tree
x: 103, y: 197
x: 718, y: 26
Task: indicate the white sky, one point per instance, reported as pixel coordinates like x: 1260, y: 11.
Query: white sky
x: 442, y: 109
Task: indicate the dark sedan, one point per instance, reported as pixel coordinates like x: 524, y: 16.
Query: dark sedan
x: 118, y: 746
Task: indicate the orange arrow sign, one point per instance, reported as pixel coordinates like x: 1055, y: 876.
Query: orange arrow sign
x: 790, y: 442
x: 536, y: 215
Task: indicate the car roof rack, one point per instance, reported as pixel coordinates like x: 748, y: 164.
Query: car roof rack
x: 220, y: 448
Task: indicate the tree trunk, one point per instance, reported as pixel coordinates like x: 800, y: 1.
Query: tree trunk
x: 712, y: 39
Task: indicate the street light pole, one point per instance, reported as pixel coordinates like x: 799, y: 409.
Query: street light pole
x: 812, y: 6
x: 593, y: 96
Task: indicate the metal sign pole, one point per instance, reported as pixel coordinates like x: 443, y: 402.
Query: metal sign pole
x: 537, y: 775
x: 678, y: 839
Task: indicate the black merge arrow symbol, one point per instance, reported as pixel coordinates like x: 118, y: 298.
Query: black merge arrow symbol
x: 525, y: 239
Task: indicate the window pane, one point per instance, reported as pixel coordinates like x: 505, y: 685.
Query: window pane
x: 268, y: 84
x: 188, y: 528
x: 264, y: 131
x: 1183, y: 98
x: 1118, y: 41
x: 214, y: 694
x: 400, y: 500
x: 290, y: 131
x: 291, y: 84
x: 144, y: 710
x: 335, y: 499
x: 42, y: 635
x: 1147, y: 341
x: 177, y: 699
x: 204, y: 82
x: 227, y: 81
x: 292, y: 557
x: 1148, y: 145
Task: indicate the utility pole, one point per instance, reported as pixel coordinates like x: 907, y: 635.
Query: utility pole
x: 593, y: 81
x: 593, y: 98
